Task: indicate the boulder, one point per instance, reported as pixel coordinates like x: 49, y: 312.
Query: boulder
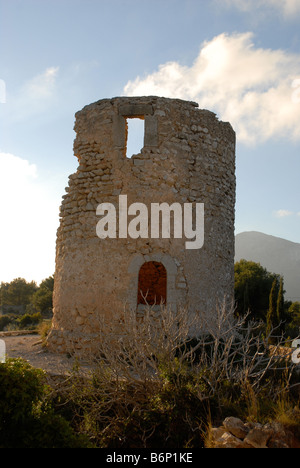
x: 236, y: 427
x: 258, y: 438
x: 235, y: 434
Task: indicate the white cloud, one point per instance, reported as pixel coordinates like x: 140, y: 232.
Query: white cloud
x: 42, y: 86
x: 29, y: 220
x: 288, y: 8
x: 248, y: 86
x: 283, y: 213
x: 2, y: 92
x: 34, y: 97
x: 20, y: 169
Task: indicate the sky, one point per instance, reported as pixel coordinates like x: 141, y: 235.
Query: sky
x: 237, y: 58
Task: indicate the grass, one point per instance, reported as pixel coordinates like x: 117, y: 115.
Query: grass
x: 154, y: 387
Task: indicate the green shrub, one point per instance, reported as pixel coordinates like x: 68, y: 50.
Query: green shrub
x: 20, y: 323
x: 155, y: 388
x: 168, y: 412
x: 27, y: 419
x: 29, y: 320
x: 21, y: 388
x: 4, y: 321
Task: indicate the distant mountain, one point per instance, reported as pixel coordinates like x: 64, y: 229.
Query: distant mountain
x: 276, y: 255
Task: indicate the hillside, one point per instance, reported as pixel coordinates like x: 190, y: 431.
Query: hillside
x: 276, y: 255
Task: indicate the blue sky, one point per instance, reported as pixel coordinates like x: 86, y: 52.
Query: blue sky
x: 238, y: 58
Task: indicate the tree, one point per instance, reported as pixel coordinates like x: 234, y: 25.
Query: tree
x: 272, y: 320
x: 42, y: 298
x: 48, y: 283
x: 280, y: 312
x: 253, y: 284
x: 293, y: 314
x: 18, y: 292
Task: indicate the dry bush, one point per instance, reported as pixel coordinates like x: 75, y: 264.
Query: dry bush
x: 153, y: 383
x: 238, y: 351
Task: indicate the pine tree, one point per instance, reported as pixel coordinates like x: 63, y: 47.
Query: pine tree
x: 246, y: 299
x: 280, y: 306
x: 272, y: 312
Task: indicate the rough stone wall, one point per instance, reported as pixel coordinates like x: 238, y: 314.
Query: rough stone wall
x: 188, y: 156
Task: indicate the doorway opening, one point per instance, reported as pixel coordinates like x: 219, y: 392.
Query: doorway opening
x: 152, y: 284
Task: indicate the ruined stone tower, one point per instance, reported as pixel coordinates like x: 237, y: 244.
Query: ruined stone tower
x: 188, y: 157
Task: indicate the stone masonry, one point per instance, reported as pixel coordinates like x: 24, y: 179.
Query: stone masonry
x: 188, y: 157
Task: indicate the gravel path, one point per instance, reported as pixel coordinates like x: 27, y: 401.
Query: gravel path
x: 29, y: 347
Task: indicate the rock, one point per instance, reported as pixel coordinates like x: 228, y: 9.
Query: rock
x: 228, y: 441
x: 258, y: 438
x: 89, y: 207
x: 272, y: 435
x: 277, y: 444
x: 236, y: 427
x: 218, y: 432
x: 79, y: 320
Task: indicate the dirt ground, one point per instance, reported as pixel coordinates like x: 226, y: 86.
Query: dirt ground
x: 30, y: 348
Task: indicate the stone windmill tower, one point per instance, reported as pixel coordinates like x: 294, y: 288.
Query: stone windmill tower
x: 188, y: 157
